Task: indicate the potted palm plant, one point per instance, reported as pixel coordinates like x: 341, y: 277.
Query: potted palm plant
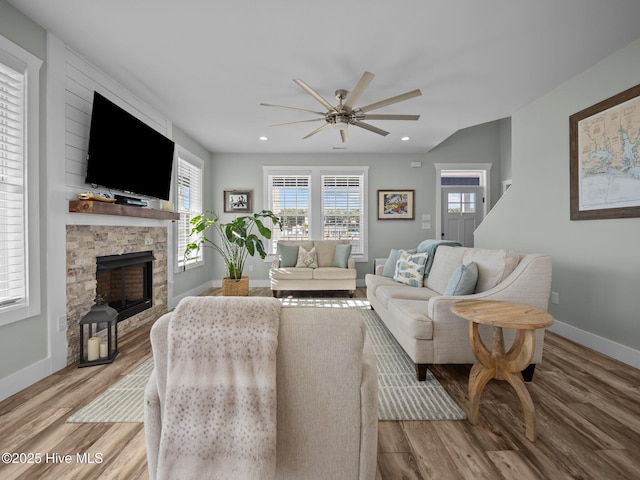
x: 236, y: 241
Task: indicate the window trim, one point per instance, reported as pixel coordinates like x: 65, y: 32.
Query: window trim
x: 196, y: 161
x: 316, y: 173
x: 31, y: 306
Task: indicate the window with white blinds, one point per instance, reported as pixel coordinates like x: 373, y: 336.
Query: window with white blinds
x: 189, y: 201
x: 319, y: 203
x: 13, y: 259
x: 289, y: 200
x: 19, y: 193
x: 342, y: 209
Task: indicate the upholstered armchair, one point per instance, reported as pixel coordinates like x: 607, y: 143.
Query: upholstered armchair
x: 326, y: 383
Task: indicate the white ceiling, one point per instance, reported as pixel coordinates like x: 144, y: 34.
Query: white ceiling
x: 208, y: 64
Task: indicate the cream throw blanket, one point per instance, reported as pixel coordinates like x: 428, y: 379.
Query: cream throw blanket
x: 219, y: 415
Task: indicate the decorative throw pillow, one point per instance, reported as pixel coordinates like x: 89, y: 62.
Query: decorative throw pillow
x: 308, y: 259
x: 463, y: 280
x: 390, y: 265
x: 341, y: 255
x: 389, y: 268
x: 288, y: 255
x: 410, y: 268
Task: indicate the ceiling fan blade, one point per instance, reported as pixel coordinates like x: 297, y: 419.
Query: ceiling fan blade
x: 390, y: 117
x: 391, y: 100
x: 344, y: 135
x: 315, y: 95
x: 360, y: 87
x: 371, y: 128
x: 292, y: 108
x: 293, y: 123
x: 317, y: 130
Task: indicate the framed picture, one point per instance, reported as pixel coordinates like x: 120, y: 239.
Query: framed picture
x: 237, y: 201
x: 604, y: 165
x: 396, y: 204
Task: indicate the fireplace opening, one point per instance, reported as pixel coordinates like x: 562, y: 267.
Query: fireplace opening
x: 126, y: 282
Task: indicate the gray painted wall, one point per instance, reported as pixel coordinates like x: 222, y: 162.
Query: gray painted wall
x: 595, y: 262
x: 24, y: 342
x: 480, y: 144
x: 188, y: 281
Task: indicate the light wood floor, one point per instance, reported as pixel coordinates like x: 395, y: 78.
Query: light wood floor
x: 588, y: 411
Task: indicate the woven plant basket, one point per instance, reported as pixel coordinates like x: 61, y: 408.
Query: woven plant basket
x: 236, y: 288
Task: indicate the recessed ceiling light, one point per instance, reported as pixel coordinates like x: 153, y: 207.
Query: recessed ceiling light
x: 264, y: 139
x: 405, y: 139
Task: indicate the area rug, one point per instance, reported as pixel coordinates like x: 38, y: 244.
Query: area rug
x: 121, y: 403
x: 400, y: 395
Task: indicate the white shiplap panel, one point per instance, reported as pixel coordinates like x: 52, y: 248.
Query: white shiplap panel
x: 76, y: 141
x: 82, y: 79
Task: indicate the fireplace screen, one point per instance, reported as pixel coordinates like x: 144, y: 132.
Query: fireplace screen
x: 125, y: 282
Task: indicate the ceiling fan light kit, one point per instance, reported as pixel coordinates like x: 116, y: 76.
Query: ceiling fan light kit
x: 345, y: 114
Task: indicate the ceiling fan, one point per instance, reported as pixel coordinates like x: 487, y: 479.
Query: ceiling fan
x: 345, y: 113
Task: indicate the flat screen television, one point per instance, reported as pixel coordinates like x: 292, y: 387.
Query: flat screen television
x: 126, y: 154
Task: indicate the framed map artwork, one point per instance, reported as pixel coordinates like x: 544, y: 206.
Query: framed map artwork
x: 604, y: 152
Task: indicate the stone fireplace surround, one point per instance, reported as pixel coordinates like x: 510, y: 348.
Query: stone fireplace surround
x: 87, y: 242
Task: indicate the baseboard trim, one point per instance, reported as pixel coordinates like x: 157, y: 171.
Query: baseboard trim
x: 194, y: 292
x: 24, y: 378
x: 602, y: 345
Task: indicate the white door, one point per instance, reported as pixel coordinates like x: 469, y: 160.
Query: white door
x: 462, y: 212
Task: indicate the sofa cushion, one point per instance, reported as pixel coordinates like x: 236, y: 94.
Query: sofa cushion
x: 411, y: 316
x: 307, y: 258
x: 373, y: 281
x: 493, y: 266
x: 410, y: 268
x: 287, y: 254
x: 463, y: 280
x: 384, y: 293
x: 341, y: 255
x: 292, y: 273
x: 446, y: 260
x: 334, y: 273
x: 430, y: 247
x: 326, y: 250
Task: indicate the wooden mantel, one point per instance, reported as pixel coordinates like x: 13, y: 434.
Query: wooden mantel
x: 104, y: 208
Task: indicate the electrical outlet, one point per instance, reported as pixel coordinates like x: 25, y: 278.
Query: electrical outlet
x: 426, y: 225
x: 251, y: 268
x: 555, y: 298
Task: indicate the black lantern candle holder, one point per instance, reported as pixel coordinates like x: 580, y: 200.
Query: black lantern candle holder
x: 98, y: 349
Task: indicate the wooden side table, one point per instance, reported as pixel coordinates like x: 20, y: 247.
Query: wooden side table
x: 496, y: 363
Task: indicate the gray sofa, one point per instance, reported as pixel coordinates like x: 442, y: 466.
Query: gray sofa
x: 420, y: 318
x: 335, y: 268
x: 326, y: 379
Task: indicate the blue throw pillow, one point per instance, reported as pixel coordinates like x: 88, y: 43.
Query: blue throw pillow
x: 341, y: 255
x: 463, y: 280
x: 390, y: 265
x: 288, y: 255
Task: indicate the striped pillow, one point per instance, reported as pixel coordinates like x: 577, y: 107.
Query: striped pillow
x: 410, y: 268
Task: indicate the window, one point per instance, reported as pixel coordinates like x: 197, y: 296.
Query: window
x: 189, y: 201
x: 19, y: 219
x: 290, y: 202
x: 319, y: 203
x: 460, y: 202
x: 342, y: 209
